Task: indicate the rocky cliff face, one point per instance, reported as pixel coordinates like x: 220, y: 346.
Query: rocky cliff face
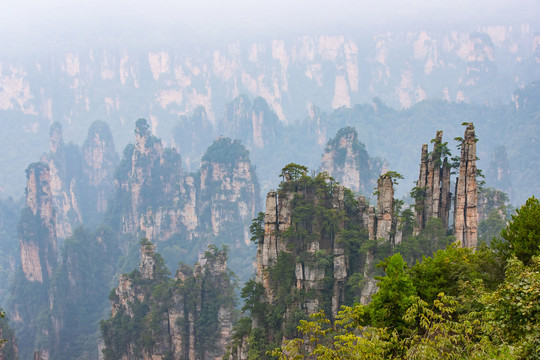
x: 59, y: 197
x: 37, y: 230
x: 81, y: 179
x: 153, y: 198
x: 314, y: 238
x: 63, y: 182
x: 39, y: 260
x: 337, y: 70
x: 189, y: 317
x: 346, y: 160
x: 254, y: 121
x: 290, y: 74
x: 498, y: 174
x: 466, y: 198
x: 99, y: 162
x: 432, y: 192
x: 183, y: 212
x: 228, y: 188
x: 192, y: 144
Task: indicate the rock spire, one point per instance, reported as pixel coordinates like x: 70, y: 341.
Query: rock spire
x: 466, y: 200
x: 37, y: 231
x: 433, y: 197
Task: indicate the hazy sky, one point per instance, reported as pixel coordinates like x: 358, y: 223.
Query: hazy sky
x: 215, y: 18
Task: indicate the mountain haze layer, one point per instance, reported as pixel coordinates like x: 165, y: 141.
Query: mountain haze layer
x: 79, y: 84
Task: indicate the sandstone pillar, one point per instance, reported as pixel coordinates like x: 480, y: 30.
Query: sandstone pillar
x: 466, y: 214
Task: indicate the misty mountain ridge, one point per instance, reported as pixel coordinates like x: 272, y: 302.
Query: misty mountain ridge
x: 119, y: 84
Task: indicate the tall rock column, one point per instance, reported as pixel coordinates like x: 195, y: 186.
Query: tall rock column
x: 63, y: 182
x: 341, y: 260
x: 422, y: 185
x: 466, y: 212
x: 99, y: 162
x: 31, y: 300
x: 37, y: 231
x: 433, y: 196
x: 385, y: 207
x: 345, y: 159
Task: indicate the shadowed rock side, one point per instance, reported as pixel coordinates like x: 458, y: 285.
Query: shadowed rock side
x: 498, y: 174
x: 466, y: 200
x: 345, y: 159
x: 99, y: 162
x: 155, y: 317
x: 433, y: 198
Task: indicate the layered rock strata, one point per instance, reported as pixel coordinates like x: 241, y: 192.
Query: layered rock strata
x: 466, y: 198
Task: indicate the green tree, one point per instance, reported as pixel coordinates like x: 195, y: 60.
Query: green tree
x: 257, y: 228
x: 394, y: 296
x: 433, y: 237
x: 514, y: 308
x: 448, y: 269
x: 522, y: 235
x: 436, y: 332
x: 346, y: 338
x: 293, y: 171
